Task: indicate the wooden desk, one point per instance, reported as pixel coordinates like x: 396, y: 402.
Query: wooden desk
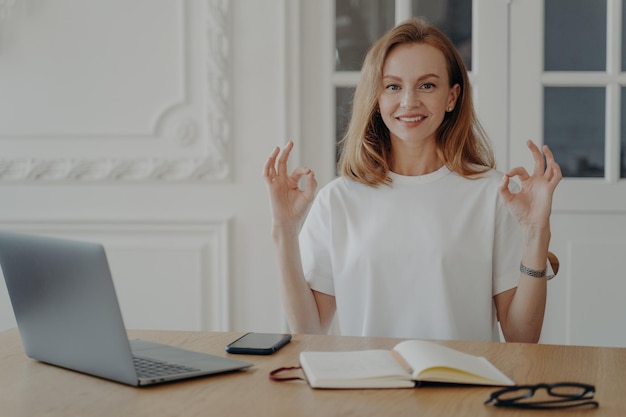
x: 30, y: 388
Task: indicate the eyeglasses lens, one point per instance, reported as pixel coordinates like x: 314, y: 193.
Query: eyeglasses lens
x: 569, y: 391
x: 515, y: 394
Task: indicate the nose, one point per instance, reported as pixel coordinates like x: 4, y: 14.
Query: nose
x: 409, y: 99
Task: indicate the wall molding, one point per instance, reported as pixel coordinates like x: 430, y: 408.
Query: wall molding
x: 206, y: 240
x: 210, y: 163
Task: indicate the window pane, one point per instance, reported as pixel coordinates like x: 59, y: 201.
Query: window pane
x: 574, y: 129
x: 576, y: 40
x: 358, y: 24
x: 343, y: 98
x: 454, y: 17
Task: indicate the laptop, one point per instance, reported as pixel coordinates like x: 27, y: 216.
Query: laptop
x: 68, y: 315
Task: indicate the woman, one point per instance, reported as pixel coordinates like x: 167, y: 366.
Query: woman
x: 420, y: 237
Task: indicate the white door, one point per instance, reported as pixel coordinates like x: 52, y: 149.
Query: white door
x: 568, y: 78
x: 511, y: 85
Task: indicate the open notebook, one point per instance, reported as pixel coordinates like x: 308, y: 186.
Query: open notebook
x: 408, y: 364
x: 68, y: 315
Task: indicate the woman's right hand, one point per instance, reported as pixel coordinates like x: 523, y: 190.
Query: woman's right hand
x: 289, y: 203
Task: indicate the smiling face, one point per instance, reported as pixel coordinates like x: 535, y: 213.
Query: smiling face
x: 415, y: 93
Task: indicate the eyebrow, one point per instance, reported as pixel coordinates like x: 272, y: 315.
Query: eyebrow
x: 423, y: 77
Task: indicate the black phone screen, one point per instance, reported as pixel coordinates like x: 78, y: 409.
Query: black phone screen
x: 259, y: 343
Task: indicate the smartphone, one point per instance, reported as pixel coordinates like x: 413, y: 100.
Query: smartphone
x: 258, y: 343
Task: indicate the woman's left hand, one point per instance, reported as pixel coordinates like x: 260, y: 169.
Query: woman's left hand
x: 532, y: 205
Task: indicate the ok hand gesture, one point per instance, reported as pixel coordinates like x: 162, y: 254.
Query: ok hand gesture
x: 532, y: 206
x: 289, y: 203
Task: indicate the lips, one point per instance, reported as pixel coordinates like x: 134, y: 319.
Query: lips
x: 411, y: 119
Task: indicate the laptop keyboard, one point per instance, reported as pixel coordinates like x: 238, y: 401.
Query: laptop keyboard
x: 149, y: 368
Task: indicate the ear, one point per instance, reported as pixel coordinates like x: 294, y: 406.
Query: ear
x: 455, y: 91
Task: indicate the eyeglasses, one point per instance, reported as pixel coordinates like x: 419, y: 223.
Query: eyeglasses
x: 561, y: 395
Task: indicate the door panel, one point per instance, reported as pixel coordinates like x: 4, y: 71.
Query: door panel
x: 571, y: 100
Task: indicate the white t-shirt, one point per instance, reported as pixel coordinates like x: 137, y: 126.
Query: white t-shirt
x: 421, y: 258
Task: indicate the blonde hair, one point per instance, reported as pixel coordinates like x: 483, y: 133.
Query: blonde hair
x: 462, y: 144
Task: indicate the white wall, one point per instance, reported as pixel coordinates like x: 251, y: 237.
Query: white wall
x: 216, y: 230
x: 258, y: 126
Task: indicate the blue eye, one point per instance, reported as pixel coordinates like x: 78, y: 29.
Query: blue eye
x: 392, y: 87
x: 428, y: 86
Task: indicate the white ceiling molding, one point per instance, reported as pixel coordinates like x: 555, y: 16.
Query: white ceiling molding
x: 174, y: 145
